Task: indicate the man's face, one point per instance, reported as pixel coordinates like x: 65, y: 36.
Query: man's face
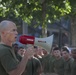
x: 65, y: 54
x: 10, y: 33
x: 21, y: 52
x: 56, y: 53
x: 73, y: 53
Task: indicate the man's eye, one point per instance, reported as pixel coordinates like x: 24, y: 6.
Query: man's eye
x: 14, y: 30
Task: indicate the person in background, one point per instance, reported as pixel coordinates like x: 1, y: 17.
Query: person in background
x: 66, y: 46
x: 33, y: 66
x: 44, y: 52
x: 47, y: 64
x: 58, y: 64
x: 39, y: 53
x: 73, y: 69
x: 68, y: 61
x: 20, y: 53
x: 15, y: 47
x: 9, y: 65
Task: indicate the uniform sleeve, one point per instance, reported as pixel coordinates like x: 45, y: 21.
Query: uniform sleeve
x: 8, y: 62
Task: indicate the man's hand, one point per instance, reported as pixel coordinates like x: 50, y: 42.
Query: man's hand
x: 29, y: 52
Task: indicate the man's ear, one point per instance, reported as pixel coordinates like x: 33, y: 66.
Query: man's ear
x: 3, y: 32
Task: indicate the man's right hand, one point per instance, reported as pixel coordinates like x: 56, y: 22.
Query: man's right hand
x: 29, y: 52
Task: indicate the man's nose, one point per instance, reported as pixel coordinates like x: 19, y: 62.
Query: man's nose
x: 16, y: 33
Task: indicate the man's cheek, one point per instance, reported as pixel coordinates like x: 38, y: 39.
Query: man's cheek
x: 9, y: 36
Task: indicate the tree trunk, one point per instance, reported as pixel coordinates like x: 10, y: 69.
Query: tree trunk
x: 44, y: 26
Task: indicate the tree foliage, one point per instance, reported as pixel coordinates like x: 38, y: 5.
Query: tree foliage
x: 33, y: 10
